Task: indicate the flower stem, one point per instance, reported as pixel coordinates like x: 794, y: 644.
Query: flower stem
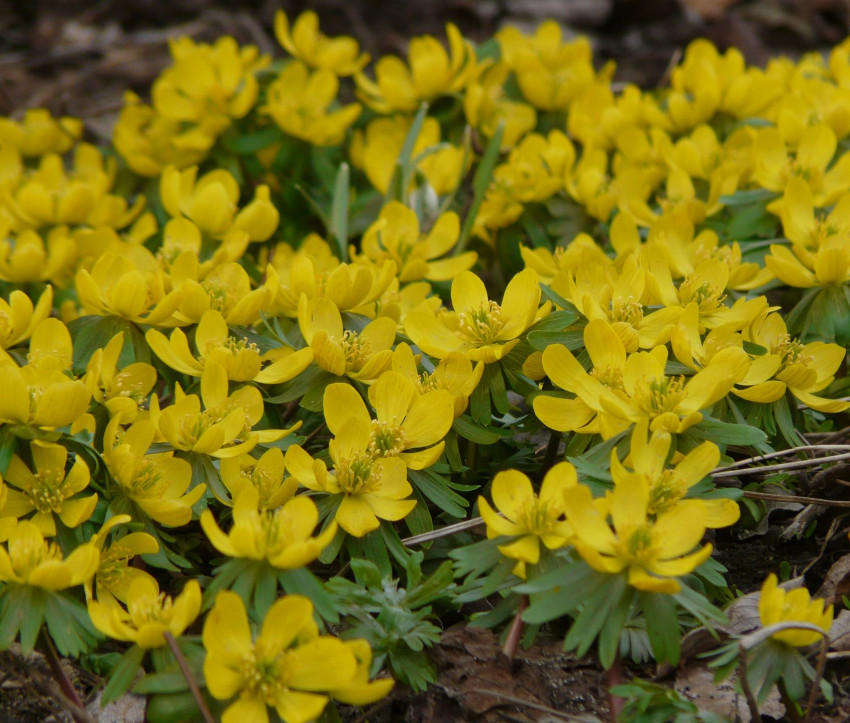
x: 65, y: 684
x: 615, y: 677
x: 743, y: 676
x: 515, y: 632
x: 190, y: 679
x: 791, y: 709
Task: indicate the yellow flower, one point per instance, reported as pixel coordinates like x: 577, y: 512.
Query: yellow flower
x: 41, y: 394
x: 376, y: 149
x: 211, y: 203
x: 18, y: 317
x: 49, y: 490
x: 485, y: 104
x: 31, y: 560
x: 433, y: 72
x: 360, y: 355
x: 369, y: 489
x: 223, y: 428
x: 149, y: 614
x: 803, y: 368
x: 156, y: 483
x: 121, y: 392
x: 51, y: 196
x: 774, y: 168
x: 408, y: 425
x: 395, y: 236
x: 281, y: 536
x: 529, y: 519
x: 621, y: 391
x: 264, y: 474
x: 208, y: 82
x: 24, y: 257
x: 800, y: 223
x: 668, y: 485
x: 149, y: 141
x: 456, y: 374
x: 705, y: 288
x: 39, y: 133
x: 115, y: 574
x: 777, y: 605
x: 360, y: 691
x: 240, y: 358
x: 549, y: 71
x: 299, y: 102
x: 652, y: 553
x: 288, y: 666
x: 227, y: 289
x: 129, y: 285
x: 306, y: 43
x: 828, y: 265
x: 480, y: 328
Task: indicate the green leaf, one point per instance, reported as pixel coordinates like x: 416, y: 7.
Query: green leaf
x: 594, y: 612
x: 662, y: 625
x: 123, y: 674
x: 265, y: 591
x: 246, y: 144
x: 31, y: 624
x: 403, y: 171
x: 339, y: 211
x: 468, y: 429
x: 304, y: 582
x: 726, y: 433
x: 742, y: 198
x: 435, y: 488
x: 418, y: 520
x: 174, y: 708
x: 609, y: 636
x: 90, y: 333
x: 480, y: 183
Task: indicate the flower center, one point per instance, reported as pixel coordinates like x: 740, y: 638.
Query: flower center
x: 627, y: 309
x: 707, y: 296
x: 46, y: 493
x: 665, y: 492
x: 264, y: 675
x: 660, y: 395
x: 148, y: 480
x: 30, y: 553
x: 148, y: 609
x: 481, y: 325
x: 355, y: 349
x: 387, y: 440
x: 358, y: 475
x: 611, y: 377
x: 790, y: 351
x: 537, y: 516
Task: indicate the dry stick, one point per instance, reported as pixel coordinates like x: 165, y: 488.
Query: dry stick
x: 190, y: 679
x: 784, y: 453
x: 78, y: 710
x: 795, y: 498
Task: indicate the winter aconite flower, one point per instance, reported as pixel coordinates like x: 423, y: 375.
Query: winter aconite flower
x: 48, y: 489
x: 367, y: 488
x: 29, y: 559
x: 480, y: 328
x: 527, y: 519
x: 288, y: 666
x: 653, y: 553
x: 777, y: 605
x: 149, y: 614
x: 308, y: 44
x: 281, y: 536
